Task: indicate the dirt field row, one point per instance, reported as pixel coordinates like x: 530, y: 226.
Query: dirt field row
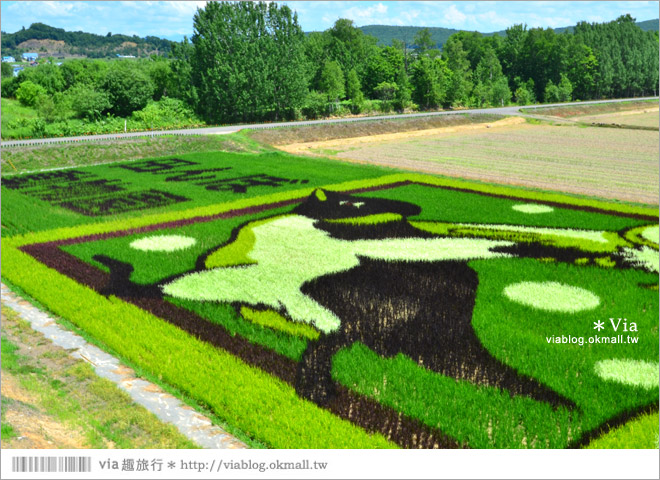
x: 638, y: 118
x: 606, y: 163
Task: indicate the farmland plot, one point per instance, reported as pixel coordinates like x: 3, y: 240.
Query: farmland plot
x: 316, y: 307
x: 607, y: 163
x: 637, y: 119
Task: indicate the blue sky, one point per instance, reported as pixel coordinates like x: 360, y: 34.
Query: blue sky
x: 174, y: 19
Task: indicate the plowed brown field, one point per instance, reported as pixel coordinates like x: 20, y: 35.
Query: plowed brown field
x: 602, y: 162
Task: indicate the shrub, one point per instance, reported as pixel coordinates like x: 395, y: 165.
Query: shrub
x: 524, y: 96
x: 316, y: 105
x: 128, y: 89
x: 9, y: 87
x: 29, y: 92
x: 38, y: 128
x: 53, y: 108
x: 87, y: 102
x: 7, y: 70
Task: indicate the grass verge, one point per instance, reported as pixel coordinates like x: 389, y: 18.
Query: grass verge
x: 332, y: 131
x: 74, y: 408
x: 29, y: 158
x: 592, y: 108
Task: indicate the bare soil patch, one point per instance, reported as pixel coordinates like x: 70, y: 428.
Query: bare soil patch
x: 639, y: 118
x: 321, y: 146
x: 52, y: 400
x: 35, y: 428
x: 51, y: 46
x: 605, y: 163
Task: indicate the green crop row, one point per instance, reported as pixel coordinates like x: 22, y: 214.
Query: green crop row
x: 259, y: 404
x: 215, y: 209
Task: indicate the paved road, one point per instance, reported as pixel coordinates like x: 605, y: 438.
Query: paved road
x: 515, y: 110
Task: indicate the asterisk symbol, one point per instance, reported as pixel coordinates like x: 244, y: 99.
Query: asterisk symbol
x: 171, y: 464
x: 599, y: 325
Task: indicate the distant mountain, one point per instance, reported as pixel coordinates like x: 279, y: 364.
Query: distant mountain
x: 386, y: 33
x: 57, y: 42
x: 649, y: 25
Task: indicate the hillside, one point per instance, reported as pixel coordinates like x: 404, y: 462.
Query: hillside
x: 48, y: 40
x: 386, y: 33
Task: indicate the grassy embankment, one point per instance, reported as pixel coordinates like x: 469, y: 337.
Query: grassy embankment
x: 51, y: 400
x: 579, y: 110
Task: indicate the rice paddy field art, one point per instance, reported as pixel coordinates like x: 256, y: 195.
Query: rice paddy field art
x: 313, y: 304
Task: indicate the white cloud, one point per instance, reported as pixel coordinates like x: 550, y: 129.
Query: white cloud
x: 373, y: 11
x: 453, y: 16
x: 494, y: 20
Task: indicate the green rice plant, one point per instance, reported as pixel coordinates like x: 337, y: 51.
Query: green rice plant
x: 475, y: 208
x: 271, y: 319
x: 248, y: 273
x: 585, y: 240
x: 640, y: 432
x: 281, y: 341
x: 369, y: 219
x: 262, y: 406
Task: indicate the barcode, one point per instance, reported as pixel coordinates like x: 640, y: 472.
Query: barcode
x: 51, y: 464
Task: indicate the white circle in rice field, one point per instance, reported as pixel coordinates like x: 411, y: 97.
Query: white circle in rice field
x: 163, y: 243
x: 532, y: 208
x: 637, y: 373
x: 552, y: 296
x: 651, y: 233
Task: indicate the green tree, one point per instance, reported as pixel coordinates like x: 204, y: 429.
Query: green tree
x: 582, y: 69
x: 87, y: 102
x: 7, y: 70
x: 88, y: 72
x: 492, y: 86
x: 353, y: 88
x: 500, y: 94
x: 551, y: 93
x: 28, y: 93
x: 128, y: 88
x: 565, y: 89
x: 461, y: 79
x: 524, y: 93
x: 402, y: 95
x: 386, y: 91
x: 423, y: 41
x: 46, y: 75
x: 247, y: 61
x: 383, y: 67
x: 350, y: 47
x: 510, y: 52
x: 430, y: 81
x: 524, y: 96
x: 161, y: 77
x: 53, y: 108
x: 332, y: 81
x: 181, y: 86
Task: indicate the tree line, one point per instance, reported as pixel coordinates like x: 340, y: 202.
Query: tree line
x: 250, y: 62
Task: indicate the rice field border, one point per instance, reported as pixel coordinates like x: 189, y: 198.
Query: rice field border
x: 233, y: 387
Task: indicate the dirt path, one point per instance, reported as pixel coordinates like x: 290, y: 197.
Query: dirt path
x: 33, y: 427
